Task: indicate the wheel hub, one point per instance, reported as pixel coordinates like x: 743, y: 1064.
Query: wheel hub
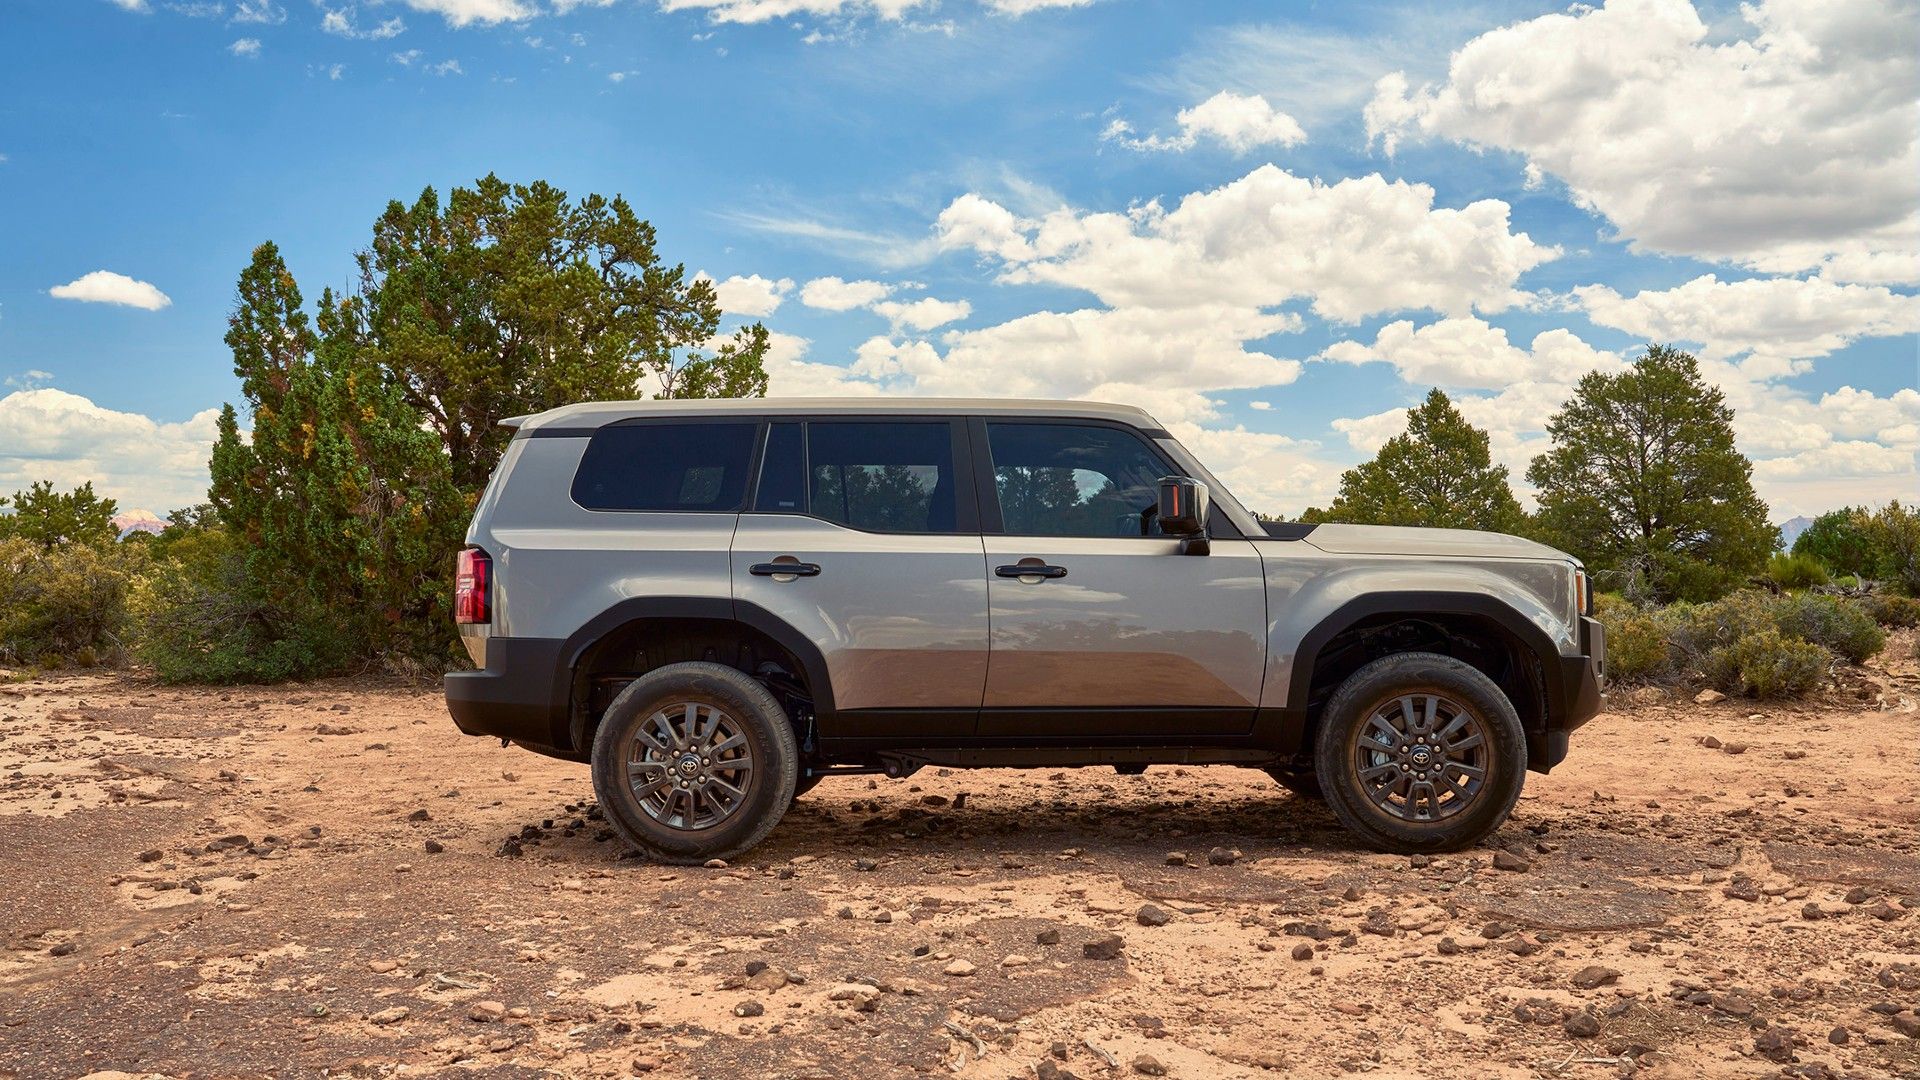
x: 1422, y: 757
x: 690, y: 766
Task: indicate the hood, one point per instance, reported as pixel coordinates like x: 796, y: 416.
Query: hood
x: 1404, y: 540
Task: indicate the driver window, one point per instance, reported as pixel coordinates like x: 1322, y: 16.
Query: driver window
x: 1074, y: 480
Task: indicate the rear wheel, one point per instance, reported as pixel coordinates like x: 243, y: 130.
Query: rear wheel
x: 694, y: 761
x: 1420, y: 752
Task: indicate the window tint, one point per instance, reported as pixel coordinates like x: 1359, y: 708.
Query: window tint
x: 665, y: 466
x: 1074, y: 480
x: 883, y: 477
x: 783, y: 472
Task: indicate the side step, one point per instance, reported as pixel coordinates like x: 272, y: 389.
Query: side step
x: 906, y: 762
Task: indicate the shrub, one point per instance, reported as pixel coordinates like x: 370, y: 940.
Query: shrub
x: 1837, y: 624
x: 1890, y: 610
x: 1796, y: 571
x: 1840, y: 540
x: 203, y: 620
x: 1695, y: 630
x: 1895, y: 533
x: 1767, y: 664
x: 1636, y: 640
x: 65, y: 604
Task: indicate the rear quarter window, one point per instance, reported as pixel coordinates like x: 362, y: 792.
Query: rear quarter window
x: 685, y: 467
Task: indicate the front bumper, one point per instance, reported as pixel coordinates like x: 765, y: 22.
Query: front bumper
x: 521, y: 695
x: 1573, y: 697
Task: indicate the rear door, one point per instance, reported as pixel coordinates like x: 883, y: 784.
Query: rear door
x: 1115, y: 632
x: 864, y: 536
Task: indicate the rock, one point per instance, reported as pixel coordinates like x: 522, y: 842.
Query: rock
x: 1708, y: 697
x: 715, y: 864
x: 1594, y: 976
x: 767, y: 979
x: 959, y: 968
x: 1710, y: 743
x: 1775, y: 1044
x: 391, y: 1016
x: 645, y: 1063
x: 434, y: 847
x: 1731, y: 1004
x: 1104, y: 947
x: 381, y: 967
x: 1148, y: 1065
x: 487, y: 1012
x: 1507, y: 860
x: 865, y: 865
x: 1907, y: 1023
x: 1014, y: 960
x: 1839, y: 1036
x: 1152, y: 915
x: 420, y: 815
x: 1582, y: 1025
x: 1176, y: 858
x: 1734, y: 748
x: 853, y: 992
x: 1222, y: 857
x: 1742, y: 889
x: 1047, y: 1070
x: 150, y: 855
x: 749, y: 1008
x: 1047, y: 937
x: 1885, y: 911
x: 65, y: 948
x: 1302, y: 951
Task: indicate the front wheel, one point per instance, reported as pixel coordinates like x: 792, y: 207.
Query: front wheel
x: 694, y: 761
x: 1420, y: 752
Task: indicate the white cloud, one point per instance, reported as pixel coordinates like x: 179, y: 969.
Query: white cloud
x: 1778, y: 323
x: 759, y: 11
x: 923, y: 314
x: 1470, y: 353
x: 1027, y: 7
x: 107, y: 287
x: 30, y: 379
x: 343, y: 22
x: 259, y: 11
x: 1792, y: 147
x: 137, y: 6
x: 406, y: 58
x: 1357, y: 247
x: 1239, y: 122
x: 246, y: 46
x: 447, y: 67
x: 198, y: 9
x: 464, y: 12
x: 52, y: 435
x: 753, y: 296
x: 834, y: 294
x: 1261, y: 406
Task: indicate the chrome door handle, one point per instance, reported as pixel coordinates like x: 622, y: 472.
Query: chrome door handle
x: 1040, y: 570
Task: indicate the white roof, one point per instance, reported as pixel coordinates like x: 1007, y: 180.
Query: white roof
x: 592, y: 414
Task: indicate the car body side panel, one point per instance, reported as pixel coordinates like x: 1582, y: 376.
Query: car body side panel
x: 900, y: 619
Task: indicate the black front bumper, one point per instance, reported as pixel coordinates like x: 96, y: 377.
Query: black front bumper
x: 521, y: 695
x: 1573, y: 697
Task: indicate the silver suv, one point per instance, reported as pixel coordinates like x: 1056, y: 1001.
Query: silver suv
x: 718, y: 604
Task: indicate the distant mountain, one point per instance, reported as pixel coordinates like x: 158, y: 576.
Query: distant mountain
x: 133, y: 521
x: 1791, y: 529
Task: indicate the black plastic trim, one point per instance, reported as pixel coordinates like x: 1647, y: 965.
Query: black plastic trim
x: 516, y: 696
x: 1286, y: 530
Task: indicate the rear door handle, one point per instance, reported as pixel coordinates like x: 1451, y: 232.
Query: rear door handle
x: 1035, y: 569
x: 784, y: 569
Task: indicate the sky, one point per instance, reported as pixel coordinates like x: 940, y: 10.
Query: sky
x: 1273, y: 225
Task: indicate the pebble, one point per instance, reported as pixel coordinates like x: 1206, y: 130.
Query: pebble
x: 1708, y: 697
x: 434, y: 847
x: 1775, y: 1044
x: 1222, y: 857
x: 150, y: 855
x: 1507, y: 860
x: 487, y: 1012
x: 1582, y: 1025
x: 1734, y: 748
x: 715, y: 864
x: 1152, y: 915
x: 1148, y: 1065
x: 1014, y: 960
x: 381, y: 967
x: 1104, y: 947
x: 1303, y: 951
x: 749, y: 1008
x: 1594, y: 976
x: 959, y: 968
x: 391, y: 1016
x: 1047, y: 937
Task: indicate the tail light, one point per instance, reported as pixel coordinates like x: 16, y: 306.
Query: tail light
x: 473, y: 587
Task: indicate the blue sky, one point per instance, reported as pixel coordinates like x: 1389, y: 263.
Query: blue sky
x: 1273, y: 225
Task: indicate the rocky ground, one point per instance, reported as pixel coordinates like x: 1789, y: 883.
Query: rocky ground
x: 328, y: 879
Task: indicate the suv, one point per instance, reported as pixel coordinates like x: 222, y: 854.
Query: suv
x: 717, y: 604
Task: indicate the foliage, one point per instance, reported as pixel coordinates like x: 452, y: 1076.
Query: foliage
x: 1894, y: 534
x: 203, y: 618
x: 1767, y: 664
x: 1644, y: 484
x: 63, y: 604
x: 1841, y: 540
x: 1896, y: 611
x: 1843, y: 627
x: 50, y: 519
x: 1796, y: 571
x: 1636, y: 640
x: 1439, y: 472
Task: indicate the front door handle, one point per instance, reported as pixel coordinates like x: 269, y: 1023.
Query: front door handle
x: 785, y: 569
x: 1035, y: 568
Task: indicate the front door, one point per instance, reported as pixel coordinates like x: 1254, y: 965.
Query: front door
x: 864, y: 537
x: 1113, y: 632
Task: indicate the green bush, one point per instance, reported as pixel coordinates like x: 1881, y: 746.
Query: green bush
x: 1890, y: 610
x: 1842, y: 626
x: 1767, y: 664
x: 202, y: 620
x: 1636, y: 640
x: 1796, y: 571
x: 1694, y: 630
x: 1894, y: 531
x: 65, y: 604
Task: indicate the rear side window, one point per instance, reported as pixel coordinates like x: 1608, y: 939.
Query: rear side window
x: 883, y: 477
x: 666, y: 466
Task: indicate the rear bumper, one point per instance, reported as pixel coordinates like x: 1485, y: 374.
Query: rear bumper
x: 520, y: 695
x: 1573, y: 697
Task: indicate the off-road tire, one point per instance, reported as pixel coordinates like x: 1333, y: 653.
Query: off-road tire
x: 769, y: 787
x: 1337, y: 750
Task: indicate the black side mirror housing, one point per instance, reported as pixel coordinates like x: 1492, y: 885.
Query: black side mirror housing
x: 1183, y: 512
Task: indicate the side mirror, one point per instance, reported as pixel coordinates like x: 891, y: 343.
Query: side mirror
x: 1183, y: 512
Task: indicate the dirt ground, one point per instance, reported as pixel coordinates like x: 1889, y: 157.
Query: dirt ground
x: 329, y: 880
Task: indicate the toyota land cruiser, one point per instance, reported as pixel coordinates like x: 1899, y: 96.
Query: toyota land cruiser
x: 717, y: 604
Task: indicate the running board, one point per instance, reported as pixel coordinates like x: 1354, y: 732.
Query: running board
x: 899, y: 763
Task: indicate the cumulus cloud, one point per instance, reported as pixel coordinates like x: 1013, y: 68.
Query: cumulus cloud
x: 1357, y: 247
x: 759, y: 11
x: 923, y: 314
x: 137, y: 6
x: 1777, y: 323
x: 1793, y: 146
x: 752, y: 296
x: 1240, y: 122
x: 1471, y: 353
x: 107, y: 287
x: 48, y: 434
x: 464, y: 12
x: 835, y: 294
x: 1026, y: 7
x: 246, y: 46
x: 343, y: 22
x: 264, y: 12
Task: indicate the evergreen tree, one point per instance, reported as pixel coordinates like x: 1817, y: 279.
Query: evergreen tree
x: 1841, y: 540
x: 51, y: 519
x: 1643, y: 482
x: 1439, y: 472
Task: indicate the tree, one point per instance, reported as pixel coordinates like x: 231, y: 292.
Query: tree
x: 1841, y: 540
x: 51, y: 519
x: 510, y: 300
x: 1439, y: 472
x: 1643, y: 482
x: 1894, y: 531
